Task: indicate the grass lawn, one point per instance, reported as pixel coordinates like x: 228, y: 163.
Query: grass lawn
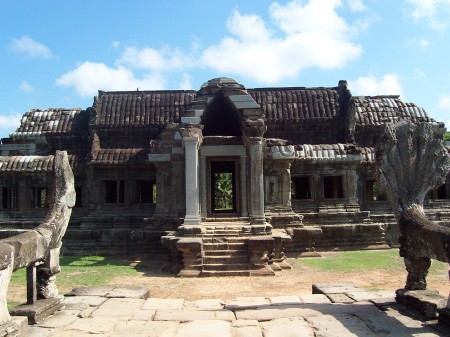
x: 79, y: 271
x: 365, y: 260
x: 382, y: 269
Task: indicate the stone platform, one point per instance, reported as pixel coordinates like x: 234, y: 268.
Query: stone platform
x: 334, y: 310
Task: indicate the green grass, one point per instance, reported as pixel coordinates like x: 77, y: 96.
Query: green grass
x: 84, y: 271
x: 366, y: 260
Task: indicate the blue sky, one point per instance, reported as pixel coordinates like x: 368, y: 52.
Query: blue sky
x: 59, y: 54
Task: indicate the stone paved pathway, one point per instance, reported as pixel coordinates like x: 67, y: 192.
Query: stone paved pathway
x: 113, y: 312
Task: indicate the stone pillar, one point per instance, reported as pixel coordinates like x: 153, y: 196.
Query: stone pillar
x: 244, y: 207
x: 253, y: 131
x: 255, y: 148
x: 192, y: 137
x: 177, y: 198
x: 352, y: 186
x: 203, y: 191
x: 163, y: 171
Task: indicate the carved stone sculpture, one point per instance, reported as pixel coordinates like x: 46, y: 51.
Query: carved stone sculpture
x: 38, y: 249
x: 411, y: 160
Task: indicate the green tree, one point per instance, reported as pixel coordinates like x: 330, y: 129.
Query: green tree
x: 224, y: 191
x: 447, y: 137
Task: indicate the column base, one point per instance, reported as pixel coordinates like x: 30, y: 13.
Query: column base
x: 191, y: 230
x: 260, y: 228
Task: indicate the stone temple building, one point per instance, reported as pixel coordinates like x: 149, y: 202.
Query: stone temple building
x: 293, y: 163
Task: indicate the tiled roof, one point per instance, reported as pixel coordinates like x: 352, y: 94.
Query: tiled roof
x: 26, y: 163
x: 297, y: 104
x: 375, y: 110
x: 118, y: 156
x: 325, y: 151
x: 36, y: 122
x: 139, y: 108
x: 33, y: 163
x: 367, y: 154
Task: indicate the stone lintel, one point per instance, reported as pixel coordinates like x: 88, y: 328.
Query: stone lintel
x: 159, y: 157
x: 40, y: 310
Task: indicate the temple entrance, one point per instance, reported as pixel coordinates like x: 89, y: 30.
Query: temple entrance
x: 223, y: 182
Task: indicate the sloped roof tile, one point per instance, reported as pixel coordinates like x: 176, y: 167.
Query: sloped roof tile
x: 376, y: 110
x: 118, y: 156
x: 296, y: 104
x: 139, y: 108
x: 33, y: 163
x: 37, y: 122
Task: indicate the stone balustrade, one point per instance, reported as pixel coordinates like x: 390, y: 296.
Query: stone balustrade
x: 37, y: 250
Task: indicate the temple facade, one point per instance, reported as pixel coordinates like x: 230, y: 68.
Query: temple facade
x: 295, y: 163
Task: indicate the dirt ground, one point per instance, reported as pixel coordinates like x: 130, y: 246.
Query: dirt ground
x: 296, y: 281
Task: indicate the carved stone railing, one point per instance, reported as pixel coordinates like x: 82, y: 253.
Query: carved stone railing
x: 38, y: 251
x: 411, y: 160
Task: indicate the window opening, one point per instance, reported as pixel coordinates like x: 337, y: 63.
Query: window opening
x: 301, y: 188
x: 114, y: 191
x: 145, y: 191
x: 39, y: 197
x: 9, y: 197
x: 373, y: 191
x: 333, y: 187
x: 78, y: 196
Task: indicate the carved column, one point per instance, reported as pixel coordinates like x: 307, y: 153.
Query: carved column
x: 203, y: 192
x: 253, y: 131
x: 192, y: 138
x: 352, y: 185
x: 244, y: 206
x: 256, y: 180
x: 279, y: 168
x: 163, y: 172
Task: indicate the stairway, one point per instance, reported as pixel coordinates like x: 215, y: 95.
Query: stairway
x: 225, y: 250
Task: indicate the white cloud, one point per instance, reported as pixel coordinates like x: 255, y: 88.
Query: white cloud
x: 90, y: 77
x: 25, y: 86
x: 185, y: 83
x: 309, y: 35
x: 420, y: 74
x: 10, y: 122
x: 116, y: 44
x: 444, y: 102
x: 424, y: 43
x: 435, y: 11
x: 153, y: 59
x: 389, y: 84
x: 29, y: 47
x: 356, y: 5
x: 299, y: 35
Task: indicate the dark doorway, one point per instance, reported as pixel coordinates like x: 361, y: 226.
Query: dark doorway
x: 223, y: 187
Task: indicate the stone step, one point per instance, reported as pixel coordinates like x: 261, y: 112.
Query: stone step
x: 226, y: 252
x: 226, y: 267
x: 225, y: 240
x: 225, y: 259
x: 219, y: 273
x: 224, y: 246
x: 223, y: 233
